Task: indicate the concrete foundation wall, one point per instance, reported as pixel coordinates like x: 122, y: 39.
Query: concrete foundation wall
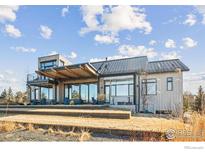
x: 131, y: 108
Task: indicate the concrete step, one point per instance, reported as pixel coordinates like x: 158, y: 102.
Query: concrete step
x: 99, y: 113
x: 83, y: 106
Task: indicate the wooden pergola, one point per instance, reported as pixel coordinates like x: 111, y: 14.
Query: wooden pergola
x: 71, y: 74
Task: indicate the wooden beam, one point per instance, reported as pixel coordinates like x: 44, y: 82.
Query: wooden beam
x: 87, y: 69
x: 61, y: 74
x: 85, y: 80
x: 72, y: 72
x: 45, y: 74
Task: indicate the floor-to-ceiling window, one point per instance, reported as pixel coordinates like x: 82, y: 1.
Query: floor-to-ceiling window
x: 47, y: 93
x: 92, y: 92
x: 119, y: 91
x: 86, y: 92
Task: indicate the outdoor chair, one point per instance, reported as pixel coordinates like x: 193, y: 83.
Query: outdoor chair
x: 94, y: 100
x: 66, y: 101
x: 43, y: 102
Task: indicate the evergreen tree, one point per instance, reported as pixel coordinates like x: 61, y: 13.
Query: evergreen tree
x: 4, y: 94
x: 10, y: 96
x: 199, y: 101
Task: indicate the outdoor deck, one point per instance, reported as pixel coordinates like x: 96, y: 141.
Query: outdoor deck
x: 151, y: 126
x: 93, y: 111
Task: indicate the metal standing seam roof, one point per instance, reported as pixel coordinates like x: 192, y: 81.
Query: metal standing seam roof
x: 121, y: 66
x: 131, y: 65
x: 166, y: 66
x: 138, y: 65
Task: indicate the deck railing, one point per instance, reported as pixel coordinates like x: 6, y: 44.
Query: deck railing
x: 32, y: 77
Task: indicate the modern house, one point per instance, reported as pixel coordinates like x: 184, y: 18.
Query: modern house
x: 133, y: 83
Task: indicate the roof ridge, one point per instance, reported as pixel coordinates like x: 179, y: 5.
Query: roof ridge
x: 163, y: 60
x: 118, y: 59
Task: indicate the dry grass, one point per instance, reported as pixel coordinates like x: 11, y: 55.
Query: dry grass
x: 195, y: 131
x: 7, y: 126
x: 85, y: 135
x: 82, y: 135
x: 30, y: 127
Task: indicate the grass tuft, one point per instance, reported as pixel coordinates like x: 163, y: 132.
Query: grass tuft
x: 7, y: 126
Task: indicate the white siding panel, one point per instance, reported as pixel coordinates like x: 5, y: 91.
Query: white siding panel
x: 165, y: 100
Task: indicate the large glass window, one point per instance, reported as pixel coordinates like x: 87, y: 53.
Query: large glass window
x: 149, y: 87
x: 48, y: 64
x: 169, y: 84
x: 118, y: 88
x: 122, y: 90
x: 92, y: 92
x: 113, y: 90
x: 47, y: 93
x: 75, y: 92
x: 86, y: 92
x: 107, y: 93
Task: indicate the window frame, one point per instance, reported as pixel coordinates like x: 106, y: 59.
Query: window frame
x: 48, y: 64
x: 172, y: 83
x: 144, y: 81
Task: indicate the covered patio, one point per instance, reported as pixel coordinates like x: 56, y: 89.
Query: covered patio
x: 76, y: 84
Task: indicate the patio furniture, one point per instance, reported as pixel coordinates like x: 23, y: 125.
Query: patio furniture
x: 94, y: 100
x: 43, y: 101
x: 66, y: 101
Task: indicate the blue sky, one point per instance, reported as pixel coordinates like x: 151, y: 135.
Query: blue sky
x: 93, y: 33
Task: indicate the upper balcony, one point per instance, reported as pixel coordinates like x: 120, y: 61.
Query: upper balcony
x: 51, y: 61
x: 40, y: 81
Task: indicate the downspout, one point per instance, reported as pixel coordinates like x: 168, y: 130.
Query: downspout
x: 139, y: 89
x: 134, y: 89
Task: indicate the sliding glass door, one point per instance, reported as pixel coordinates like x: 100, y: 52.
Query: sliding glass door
x: 86, y: 92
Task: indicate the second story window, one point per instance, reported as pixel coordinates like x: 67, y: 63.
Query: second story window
x: 170, y: 84
x: 47, y: 64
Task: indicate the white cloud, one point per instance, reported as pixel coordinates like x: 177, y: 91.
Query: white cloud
x: 192, y: 81
x: 90, y: 17
x: 189, y: 42
x: 12, y: 31
x: 114, y: 19
x: 170, y: 43
x: 53, y: 53
x: 126, y: 18
x: 9, y: 72
x: 72, y: 55
x: 106, y: 39
x: 203, y: 20
x: 170, y: 55
x: 45, y: 32
x: 152, y: 42
x: 12, y: 80
x: 108, y: 58
x: 132, y: 50
x: 23, y: 49
x: 191, y: 20
x: 201, y: 10
x: 64, y: 11
x: 8, y: 13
